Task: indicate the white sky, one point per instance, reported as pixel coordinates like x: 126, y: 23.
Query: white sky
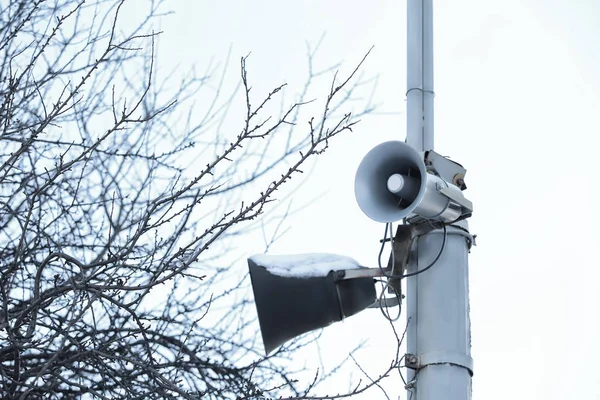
x: 517, y: 103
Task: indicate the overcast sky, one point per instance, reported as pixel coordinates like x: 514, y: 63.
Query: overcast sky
x: 517, y: 103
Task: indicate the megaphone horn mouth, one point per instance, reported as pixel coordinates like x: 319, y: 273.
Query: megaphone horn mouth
x: 290, y: 306
x: 390, y: 181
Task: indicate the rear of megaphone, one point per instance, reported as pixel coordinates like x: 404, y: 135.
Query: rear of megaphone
x: 392, y: 183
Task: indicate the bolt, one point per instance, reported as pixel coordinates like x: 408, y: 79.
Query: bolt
x: 341, y: 274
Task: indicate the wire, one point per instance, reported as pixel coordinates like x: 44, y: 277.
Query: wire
x: 400, y: 370
x: 386, y: 312
x: 391, y: 232
x: 388, y: 229
x: 381, y: 249
x: 397, y: 292
x: 435, y: 260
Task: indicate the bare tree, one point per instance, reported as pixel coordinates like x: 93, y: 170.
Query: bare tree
x: 118, y: 202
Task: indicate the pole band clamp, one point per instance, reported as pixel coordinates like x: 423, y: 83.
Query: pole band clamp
x: 439, y: 357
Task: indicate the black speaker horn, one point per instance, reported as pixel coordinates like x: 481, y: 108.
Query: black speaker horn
x: 288, y: 307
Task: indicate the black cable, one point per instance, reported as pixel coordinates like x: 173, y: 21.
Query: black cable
x: 442, y: 247
x: 397, y: 292
x: 381, y: 249
x: 386, y: 312
x: 391, y: 232
x: 410, y: 273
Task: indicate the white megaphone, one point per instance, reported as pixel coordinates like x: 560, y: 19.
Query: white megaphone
x: 392, y: 183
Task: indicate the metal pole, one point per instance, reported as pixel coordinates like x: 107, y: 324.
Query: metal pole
x: 414, y: 75
x: 439, y: 332
x: 428, y: 94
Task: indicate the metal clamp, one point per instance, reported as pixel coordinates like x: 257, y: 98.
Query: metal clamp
x: 413, y: 361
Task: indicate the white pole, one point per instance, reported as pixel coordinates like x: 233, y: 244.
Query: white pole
x: 428, y: 94
x: 439, y: 332
x: 414, y: 75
